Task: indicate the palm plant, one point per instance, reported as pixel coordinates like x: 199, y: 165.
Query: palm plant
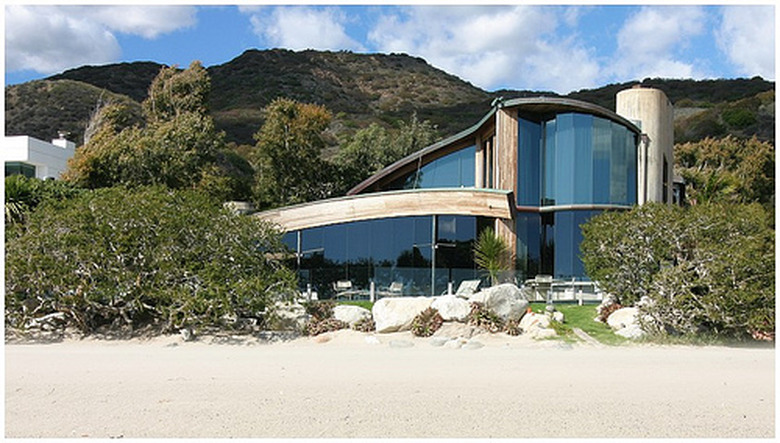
x: 491, y: 253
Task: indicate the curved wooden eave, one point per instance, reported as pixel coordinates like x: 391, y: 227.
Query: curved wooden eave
x: 455, y: 201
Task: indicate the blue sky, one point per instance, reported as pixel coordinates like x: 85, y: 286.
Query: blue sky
x: 542, y: 47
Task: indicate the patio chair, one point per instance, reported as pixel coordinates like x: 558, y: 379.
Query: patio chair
x: 467, y: 288
x: 395, y: 289
x: 343, y: 288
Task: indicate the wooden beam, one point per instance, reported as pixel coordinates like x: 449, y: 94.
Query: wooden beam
x: 456, y: 201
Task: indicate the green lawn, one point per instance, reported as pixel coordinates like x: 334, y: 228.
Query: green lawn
x: 576, y: 316
x: 362, y: 303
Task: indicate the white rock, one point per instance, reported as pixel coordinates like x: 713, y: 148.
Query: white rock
x: 393, y: 314
x: 506, y: 300
x: 632, y: 331
x: 622, y: 318
x: 558, y: 316
x: 451, y: 308
x: 350, y: 314
x: 533, y: 321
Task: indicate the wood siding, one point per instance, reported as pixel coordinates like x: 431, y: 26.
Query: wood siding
x: 478, y: 202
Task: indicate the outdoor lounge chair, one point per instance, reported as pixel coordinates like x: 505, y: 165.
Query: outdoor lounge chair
x: 395, y: 289
x: 467, y: 288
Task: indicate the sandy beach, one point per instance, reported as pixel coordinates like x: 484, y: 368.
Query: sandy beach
x: 349, y: 384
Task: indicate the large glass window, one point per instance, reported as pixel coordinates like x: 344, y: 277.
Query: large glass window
x: 528, y: 229
x: 529, y: 165
x: 584, y: 160
x: 561, y: 235
x: 415, y: 251
x: 19, y: 168
x: 454, y: 170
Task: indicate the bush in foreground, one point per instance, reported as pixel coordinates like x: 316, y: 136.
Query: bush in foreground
x: 127, y: 258
x: 706, y: 270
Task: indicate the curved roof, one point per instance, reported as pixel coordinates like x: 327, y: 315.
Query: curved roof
x: 535, y: 105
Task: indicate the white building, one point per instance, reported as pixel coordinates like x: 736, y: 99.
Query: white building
x: 36, y: 158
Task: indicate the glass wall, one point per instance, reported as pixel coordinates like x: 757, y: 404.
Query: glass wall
x: 422, y: 253
x: 575, y: 159
x: 549, y: 243
x: 454, y: 170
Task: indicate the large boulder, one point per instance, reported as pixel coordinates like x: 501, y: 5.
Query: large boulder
x: 506, y: 300
x: 451, y: 308
x: 532, y: 321
x: 632, y: 331
x: 350, y: 314
x: 394, y: 314
x: 622, y: 318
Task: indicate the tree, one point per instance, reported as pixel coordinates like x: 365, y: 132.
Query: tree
x: 127, y: 258
x: 374, y: 148
x: 288, y: 155
x: 177, y: 145
x: 727, y: 170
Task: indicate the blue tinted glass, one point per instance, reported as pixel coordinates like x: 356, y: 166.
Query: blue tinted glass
x: 567, y: 235
x: 630, y: 146
x: 565, y: 141
x: 359, y: 241
x: 528, y: 228
x: 335, y: 243
x: 583, y: 158
x: 602, y: 150
x: 588, y: 160
x: 454, y: 170
x: 528, y: 162
x: 290, y: 239
x: 549, y: 163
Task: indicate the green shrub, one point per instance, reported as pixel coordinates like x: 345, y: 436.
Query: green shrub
x: 738, y: 117
x: 426, y: 323
x: 118, y: 257
x: 706, y: 270
x: 23, y: 194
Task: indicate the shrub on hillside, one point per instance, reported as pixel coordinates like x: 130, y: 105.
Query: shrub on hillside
x: 127, y: 258
x: 707, y: 269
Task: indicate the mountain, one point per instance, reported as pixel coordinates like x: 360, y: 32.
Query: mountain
x: 360, y: 89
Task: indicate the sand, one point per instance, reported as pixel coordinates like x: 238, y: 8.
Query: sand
x: 345, y: 385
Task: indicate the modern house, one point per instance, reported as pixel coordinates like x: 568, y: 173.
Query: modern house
x: 31, y: 157
x: 534, y: 169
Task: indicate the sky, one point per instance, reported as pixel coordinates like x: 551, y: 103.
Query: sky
x: 514, y: 46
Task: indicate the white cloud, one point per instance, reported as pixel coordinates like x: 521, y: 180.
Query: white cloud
x: 146, y: 21
x: 747, y: 36
x: 491, y: 46
x: 48, y: 39
x: 298, y: 28
x: 651, y: 43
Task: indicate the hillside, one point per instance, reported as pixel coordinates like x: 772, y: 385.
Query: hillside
x: 360, y: 89
x: 42, y: 108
